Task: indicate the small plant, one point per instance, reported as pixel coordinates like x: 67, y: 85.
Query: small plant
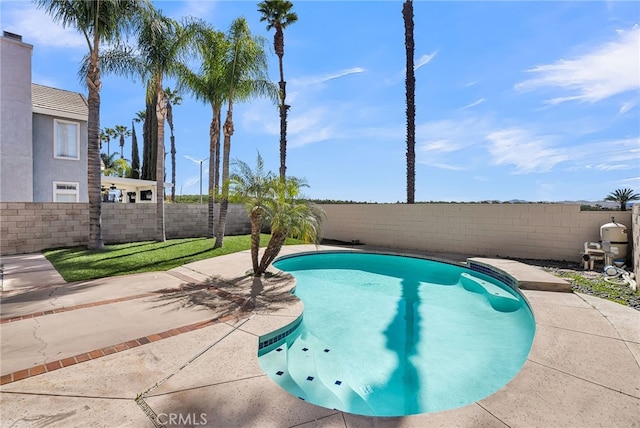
x: 619, y: 293
x: 623, y: 196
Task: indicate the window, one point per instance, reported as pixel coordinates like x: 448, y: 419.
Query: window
x: 66, y: 139
x: 65, y: 192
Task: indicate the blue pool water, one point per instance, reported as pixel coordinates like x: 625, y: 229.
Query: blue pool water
x: 386, y: 335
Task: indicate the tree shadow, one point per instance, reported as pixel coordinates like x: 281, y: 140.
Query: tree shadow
x: 403, y: 333
x: 238, y: 295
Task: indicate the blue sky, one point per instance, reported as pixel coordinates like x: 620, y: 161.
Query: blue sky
x: 515, y: 100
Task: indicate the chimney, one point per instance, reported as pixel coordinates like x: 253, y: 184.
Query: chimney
x: 13, y: 36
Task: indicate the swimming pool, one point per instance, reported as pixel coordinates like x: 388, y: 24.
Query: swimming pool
x: 387, y: 335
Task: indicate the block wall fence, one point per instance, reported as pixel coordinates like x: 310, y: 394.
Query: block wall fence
x: 535, y: 231
x: 27, y: 227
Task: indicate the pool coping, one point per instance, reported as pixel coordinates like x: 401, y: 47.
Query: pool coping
x: 583, y: 370
x: 535, y: 286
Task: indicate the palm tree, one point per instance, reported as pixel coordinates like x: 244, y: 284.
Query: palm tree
x: 278, y: 15
x: 623, y: 196
x: 109, y: 164
x: 208, y: 85
x: 106, y: 135
x: 172, y: 98
x: 289, y: 216
x: 103, y: 137
x: 122, y: 131
x: 161, y: 45
x: 410, y: 84
x: 100, y: 22
x: 245, y: 77
x: 253, y: 187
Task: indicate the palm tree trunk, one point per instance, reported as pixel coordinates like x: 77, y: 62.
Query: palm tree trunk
x: 224, y: 202
x: 271, y: 252
x: 93, y: 149
x: 217, y: 130
x: 256, y: 228
x: 173, y: 166
x: 407, y: 13
x: 160, y: 109
x: 214, y: 165
x: 279, y: 47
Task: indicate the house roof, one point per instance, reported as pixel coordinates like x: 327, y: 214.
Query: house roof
x: 58, y: 102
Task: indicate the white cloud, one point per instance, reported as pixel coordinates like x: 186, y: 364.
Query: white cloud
x: 611, y: 154
x: 611, y: 167
x: 625, y: 107
x: 424, y: 59
x: 37, y: 28
x: 441, y: 165
x: 607, y: 70
x: 401, y: 75
x: 316, y: 80
x: 473, y: 104
x: 527, y: 152
x: 450, y: 135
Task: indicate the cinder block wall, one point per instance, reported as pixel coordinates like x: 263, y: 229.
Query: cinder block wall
x: 27, y: 227
x: 536, y: 231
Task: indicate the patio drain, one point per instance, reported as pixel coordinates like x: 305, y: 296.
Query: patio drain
x: 149, y: 412
x: 153, y: 416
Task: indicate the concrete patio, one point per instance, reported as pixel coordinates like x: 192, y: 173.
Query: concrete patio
x: 190, y: 355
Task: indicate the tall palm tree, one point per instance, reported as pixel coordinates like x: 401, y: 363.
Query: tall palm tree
x: 122, y: 131
x: 246, y: 76
x: 106, y: 135
x: 161, y: 44
x: 623, y: 196
x: 289, y: 216
x: 278, y: 15
x: 410, y: 87
x: 254, y: 187
x: 172, y: 98
x: 100, y: 21
x: 103, y: 137
x: 208, y: 85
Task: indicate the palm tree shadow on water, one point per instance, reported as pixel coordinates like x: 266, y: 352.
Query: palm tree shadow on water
x: 403, y: 334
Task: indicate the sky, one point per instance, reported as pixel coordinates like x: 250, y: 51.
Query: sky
x: 536, y: 101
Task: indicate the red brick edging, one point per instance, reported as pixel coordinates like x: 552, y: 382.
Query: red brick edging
x: 76, y: 307
x: 86, y: 356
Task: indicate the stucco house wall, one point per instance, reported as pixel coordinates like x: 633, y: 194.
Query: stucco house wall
x: 16, y: 163
x: 47, y: 169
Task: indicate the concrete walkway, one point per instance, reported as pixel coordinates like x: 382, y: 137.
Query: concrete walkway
x: 185, y: 344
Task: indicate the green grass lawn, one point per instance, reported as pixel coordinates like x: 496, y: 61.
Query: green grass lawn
x: 79, y: 264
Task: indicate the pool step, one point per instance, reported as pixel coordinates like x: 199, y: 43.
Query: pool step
x: 499, y: 298
x: 301, y: 362
x: 331, y: 374
x: 274, y: 363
